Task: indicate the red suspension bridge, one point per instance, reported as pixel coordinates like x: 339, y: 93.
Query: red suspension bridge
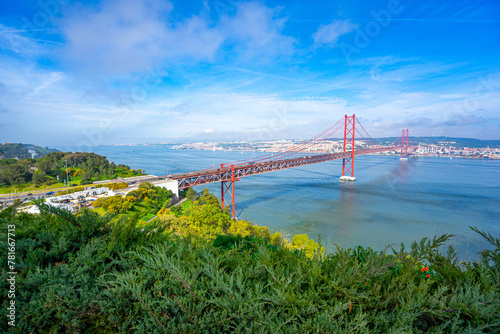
x: 297, y: 155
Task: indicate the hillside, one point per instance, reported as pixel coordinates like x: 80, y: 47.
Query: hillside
x: 23, y: 151
x: 57, y: 168
x: 195, y: 270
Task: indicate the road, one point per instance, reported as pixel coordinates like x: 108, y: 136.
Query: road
x: 133, y: 182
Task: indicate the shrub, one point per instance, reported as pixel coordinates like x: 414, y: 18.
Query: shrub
x: 87, y: 273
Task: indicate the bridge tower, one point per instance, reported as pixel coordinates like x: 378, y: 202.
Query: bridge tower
x: 348, y: 160
x: 404, y: 144
x: 227, y: 190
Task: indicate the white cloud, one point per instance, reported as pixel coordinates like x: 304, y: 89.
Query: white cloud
x: 241, y: 116
x: 123, y: 36
x: 195, y: 39
x: 14, y: 41
x: 48, y: 80
x: 257, y: 32
x: 329, y: 34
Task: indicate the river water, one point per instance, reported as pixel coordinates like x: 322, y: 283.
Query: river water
x: 391, y: 201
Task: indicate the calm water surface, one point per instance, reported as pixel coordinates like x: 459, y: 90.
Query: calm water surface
x: 391, y: 202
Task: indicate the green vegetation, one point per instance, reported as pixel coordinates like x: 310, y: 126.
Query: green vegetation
x: 142, y: 204
x: 22, y: 151
x: 194, y: 270
x: 50, y: 171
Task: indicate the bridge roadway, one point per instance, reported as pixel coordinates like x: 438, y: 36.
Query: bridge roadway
x: 186, y: 180
x: 225, y: 172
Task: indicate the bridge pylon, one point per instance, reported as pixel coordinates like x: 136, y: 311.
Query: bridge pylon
x: 404, y: 144
x: 227, y: 190
x: 348, y: 160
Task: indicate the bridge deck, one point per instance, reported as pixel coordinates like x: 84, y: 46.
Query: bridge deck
x: 207, y: 176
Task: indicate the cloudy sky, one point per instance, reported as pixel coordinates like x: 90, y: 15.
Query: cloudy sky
x: 123, y: 71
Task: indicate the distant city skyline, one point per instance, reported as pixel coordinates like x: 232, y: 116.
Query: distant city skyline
x: 149, y: 71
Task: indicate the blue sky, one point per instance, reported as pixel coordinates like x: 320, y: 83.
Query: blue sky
x: 124, y: 71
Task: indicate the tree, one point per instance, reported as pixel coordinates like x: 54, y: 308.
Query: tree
x: 44, y: 165
x: 191, y: 195
x: 146, y: 185
x: 55, y: 156
x: 26, y: 162
x: 88, y: 166
x: 124, y: 167
x: 70, y: 171
x: 86, y: 176
x: 16, y: 174
x: 208, y: 198
x: 102, y: 170
x: 62, y: 176
x: 112, y: 168
x: 38, y: 178
x: 5, y: 162
x: 75, y: 159
x: 125, y: 206
x: 309, y: 246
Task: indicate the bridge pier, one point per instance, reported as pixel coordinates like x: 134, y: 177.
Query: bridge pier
x: 404, y: 145
x: 348, y: 161
x: 227, y: 188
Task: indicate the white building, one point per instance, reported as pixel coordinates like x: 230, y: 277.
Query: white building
x: 168, y: 184
x: 35, y: 210
x: 171, y: 185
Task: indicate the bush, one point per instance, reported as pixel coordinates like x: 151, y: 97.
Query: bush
x: 86, y: 273
x: 116, y: 186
